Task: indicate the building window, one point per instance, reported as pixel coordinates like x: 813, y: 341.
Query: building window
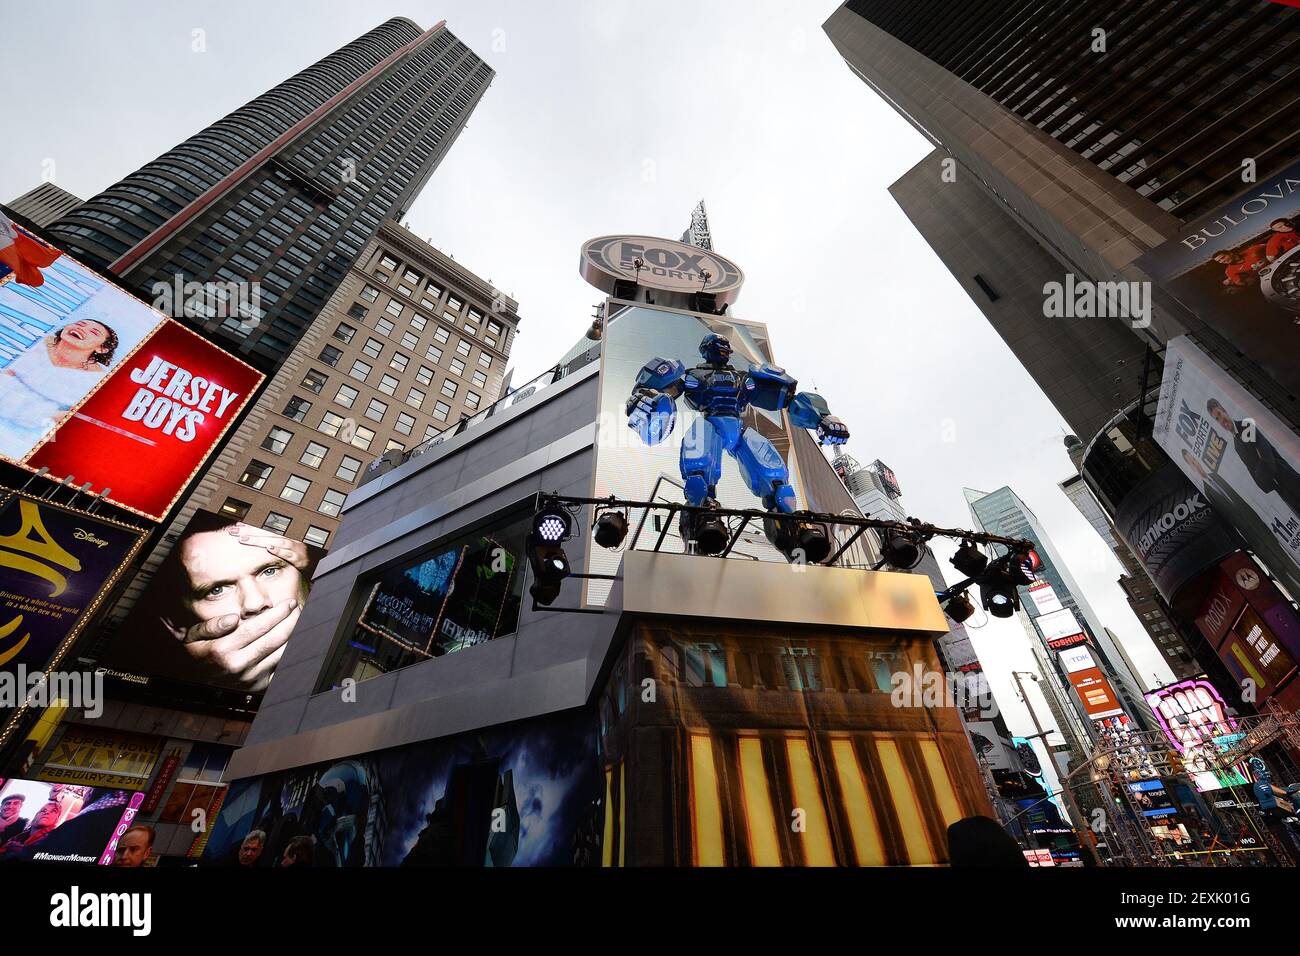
x: 410, y: 275
x: 295, y: 489
x: 363, y: 437
x: 331, y: 506
x: 330, y: 355
x: 277, y: 522
x: 376, y: 410
x: 384, y: 327
x: 314, y: 381
x: 344, y: 332
x: 255, y: 474
x: 399, y: 361
x: 388, y: 384
x: 415, y: 398
x: 314, y: 454
x: 316, y: 536
x: 418, y: 322
x: 433, y: 353
x: 358, y: 311
x: 360, y: 370
x: 454, y: 303
x: 448, y: 388
x: 458, y: 593
x: 479, y: 379
x: 410, y: 340
x: 332, y: 423
x: 441, y: 335
x: 394, y: 445
x: 348, y: 469
x: 484, y: 360
x: 370, y: 293
x: 277, y: 439
x: 424, y: 375
x: 235, y: 508
x: 441, y: 410
x: 403, y: 290
x: 394, y: 308
x: 494, y: 327
x: 457, y: 367
x: 472, y: 399
x: 389, y: 263
x: 346, y: 396
x: 198, y: 785
x: 297, y: 408
x: 463, y: 348
x: 405, y: 423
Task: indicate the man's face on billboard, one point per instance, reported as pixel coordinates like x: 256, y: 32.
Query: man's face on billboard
x: 47, y: 816
x: 226, y: 577
x: 1220, y: 416
x: 10, y: 809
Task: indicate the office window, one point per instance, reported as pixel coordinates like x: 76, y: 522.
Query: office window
x: 384, y: 327
x: 277, y: 522
x: 314, y: 381
x: 479, y: 379
x: 454, y: 303
x: 297, y: 408
x: 394, y: 445
x: 403, y: 290
x: 484, y: 360
x: 494, y: 327
x: 472, y: 400
x: 348, y: 469
x: 373, y: 348
x: 457, y: 367
x: 463, y: 348
x: 332, y: 424
x: 358, y: 311
x: 394, y: 308
x: 331, y: 504
x: 255, y: 474
x: 441, y: 410
x: 313, y: 456
x: 316, y: 536
x: 405, y: 423
x: 475, y: 315
x: 415, y: 398
x: 433, y: 353
x: 295, y: 489
x: 410, y: 275
x: 360, y: 370
x: 346, y: 396
x: 424, y: 375
x: 418, y: 322
x: 376, y: 410
x: 388, y: 385
x: 448, y: 388
x: 363, y: 437
x: 389, y: 263
x: 471, y: 329
x: 399, y: 361
x: 330, y: 355
x: 441, y: 335
x: 410, y: 340
x: 277, y: 439
x: 370, y: 293
x: 235, y: 508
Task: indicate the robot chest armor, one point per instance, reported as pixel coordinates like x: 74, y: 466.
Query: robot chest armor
x: 718, y: 391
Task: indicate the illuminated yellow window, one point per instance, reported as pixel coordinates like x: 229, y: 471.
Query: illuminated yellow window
x: 764, y: 844
x: 868, y: 846
x: 705, y: 807
x: 906, y: 804
x: 818, y: 850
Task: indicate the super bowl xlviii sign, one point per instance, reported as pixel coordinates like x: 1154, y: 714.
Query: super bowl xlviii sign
x: 659, y: 264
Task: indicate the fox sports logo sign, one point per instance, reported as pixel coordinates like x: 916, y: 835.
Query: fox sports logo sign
x: 663, y: 264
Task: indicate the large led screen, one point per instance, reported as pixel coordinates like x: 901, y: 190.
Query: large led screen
x: 61, y: 823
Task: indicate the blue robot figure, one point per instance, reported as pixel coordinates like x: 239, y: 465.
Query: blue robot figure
x: 721, y: 393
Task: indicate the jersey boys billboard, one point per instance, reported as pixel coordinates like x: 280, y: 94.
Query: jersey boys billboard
x: 97, y: 385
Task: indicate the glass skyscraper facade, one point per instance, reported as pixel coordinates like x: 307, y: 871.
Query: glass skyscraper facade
x: 287, y: 190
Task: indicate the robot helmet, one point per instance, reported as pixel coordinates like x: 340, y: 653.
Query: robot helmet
x: 715, y: 348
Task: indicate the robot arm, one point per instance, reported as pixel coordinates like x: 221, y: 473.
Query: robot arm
x: 809, y: 410
x: 652, y: 406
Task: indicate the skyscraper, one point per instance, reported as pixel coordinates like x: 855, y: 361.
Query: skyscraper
x: 287, y: 190
x: 44, y: 204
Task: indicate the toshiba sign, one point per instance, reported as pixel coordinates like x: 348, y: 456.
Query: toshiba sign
x: 659, y: 264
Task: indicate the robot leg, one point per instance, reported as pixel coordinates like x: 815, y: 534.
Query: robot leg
x: 701, y: 467
x: 769, y: 479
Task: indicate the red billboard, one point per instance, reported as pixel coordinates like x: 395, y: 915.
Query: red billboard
x: 165, y: 408
x: 98, y: 386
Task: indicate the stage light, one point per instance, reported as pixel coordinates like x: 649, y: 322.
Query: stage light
x: 814, y: 541
x: 900, y: 551
x: 708, y: 531
x: 998, y: 592
x: 611, y: 529
x: 970, y: 560
x: 546, y: 557
x: 1022, y: 566
x: 959, y: 607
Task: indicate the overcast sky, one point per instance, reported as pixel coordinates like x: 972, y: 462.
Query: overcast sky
x: 608, y: 117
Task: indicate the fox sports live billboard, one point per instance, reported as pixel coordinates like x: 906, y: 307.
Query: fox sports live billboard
x: 96, y: 384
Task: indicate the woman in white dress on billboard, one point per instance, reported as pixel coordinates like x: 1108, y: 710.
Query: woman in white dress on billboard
x: 48, y: 379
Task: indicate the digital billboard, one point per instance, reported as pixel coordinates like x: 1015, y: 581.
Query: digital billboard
x: 1058, y: 625
x: 1044, y: 597
x: 56, y: 565
x: 220, y: 607
x: 1094, y: 690
x: 1194, y: 717
x: 93, y: 381
x: 61, y: 823
x: 1236, y: 452
x: 1238, y: 268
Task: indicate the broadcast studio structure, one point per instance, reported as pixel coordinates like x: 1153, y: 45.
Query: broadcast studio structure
x: 552, y: 638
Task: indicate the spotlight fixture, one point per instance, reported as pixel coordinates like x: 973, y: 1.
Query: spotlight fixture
x: 708, y: 531
x: 970, y: 560
x: 998, y: 592
x: 959, y: 607
x: 611, y: 529
x: 901, y: 551
x: 1022, y: 565
x: 546, y: 557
